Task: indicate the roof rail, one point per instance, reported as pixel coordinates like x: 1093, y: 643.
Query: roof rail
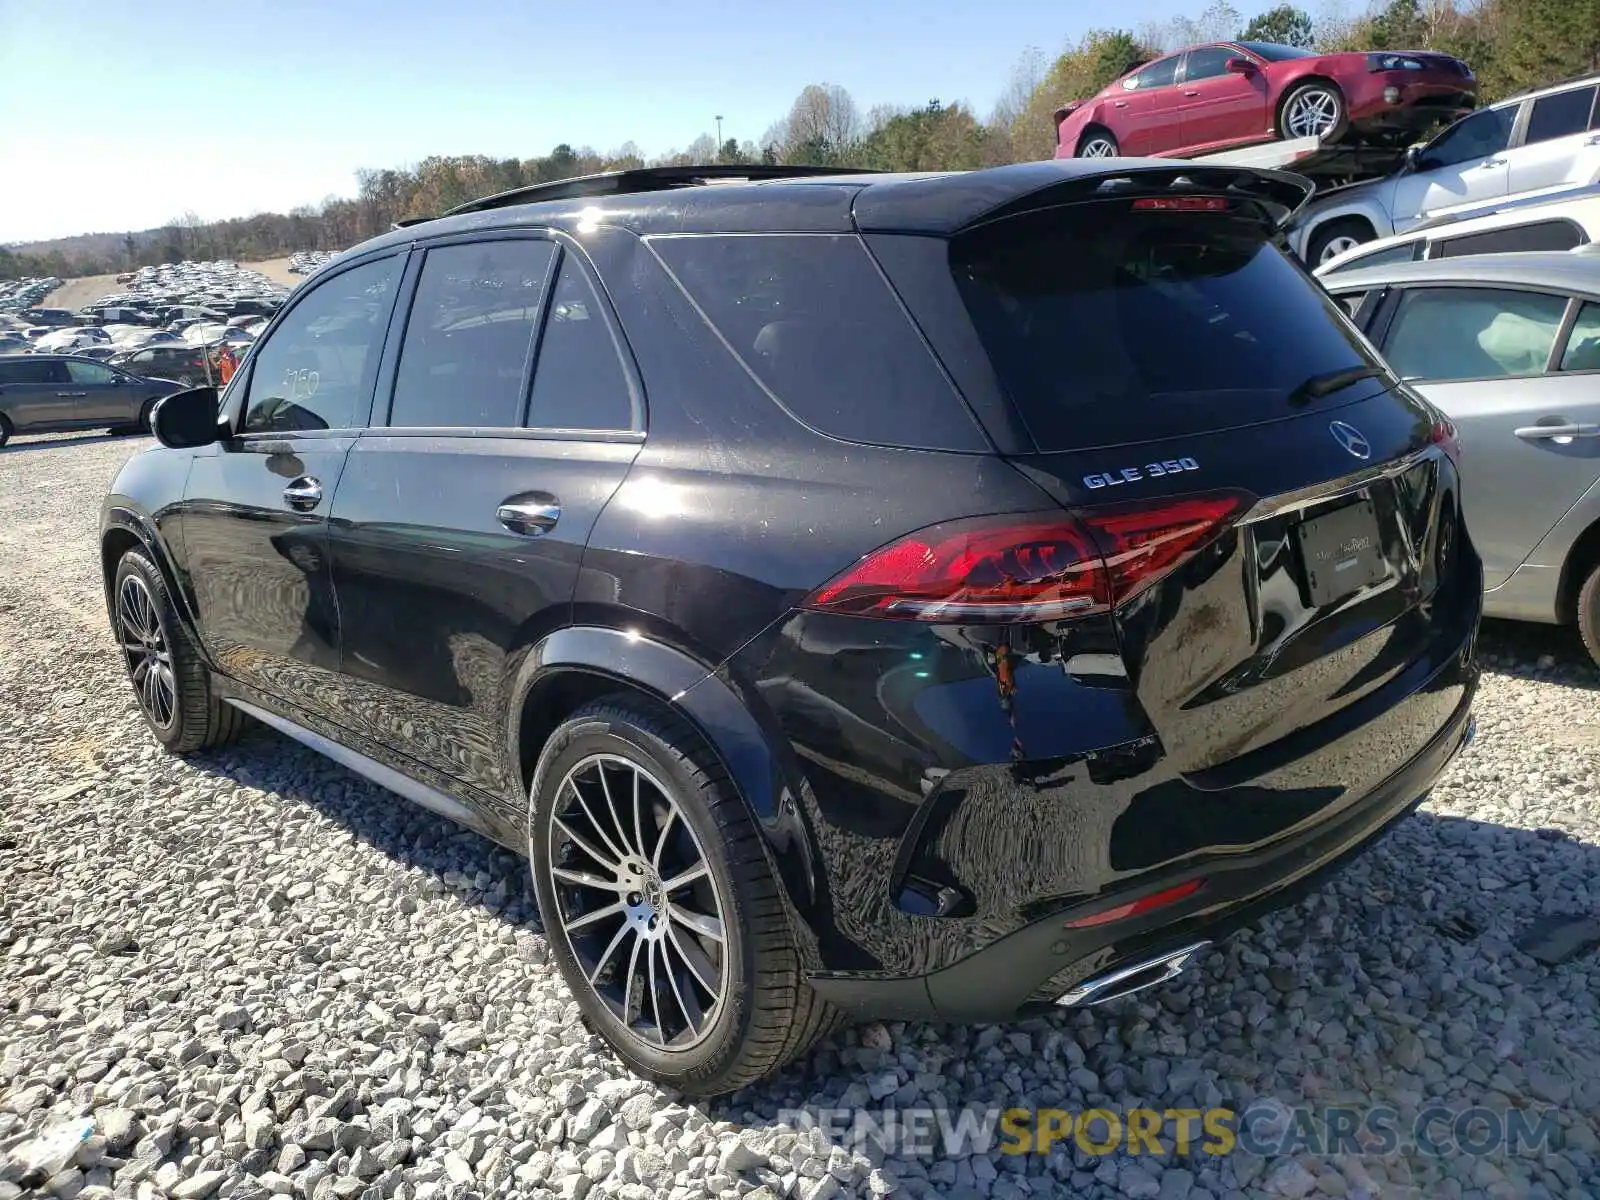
x: 647, y: 179
x: 1586, y: 77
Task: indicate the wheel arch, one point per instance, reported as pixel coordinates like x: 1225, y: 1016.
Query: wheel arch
x: 1093, y: 126
x: 125, y: 529
x: 1581, y: 558
x: 580, y: 663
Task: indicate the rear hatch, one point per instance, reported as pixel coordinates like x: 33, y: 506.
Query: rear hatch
x: 1278, y: 515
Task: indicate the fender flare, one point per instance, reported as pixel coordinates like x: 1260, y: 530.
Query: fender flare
x: 126, y: 519
x: 707, y: 700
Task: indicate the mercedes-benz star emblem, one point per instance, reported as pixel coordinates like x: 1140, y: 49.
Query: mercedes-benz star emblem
x: 1351, y: 438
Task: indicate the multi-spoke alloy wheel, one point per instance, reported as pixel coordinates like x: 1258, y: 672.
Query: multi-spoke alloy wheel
x: 169, y: 675
x: 637, y: 901
x: 1313, y: 111
x: 1098, y: 146
x: 144, y: 648
x: 660, y: 903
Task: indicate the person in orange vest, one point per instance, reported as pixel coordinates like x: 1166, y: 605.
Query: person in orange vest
x: 227, y: 363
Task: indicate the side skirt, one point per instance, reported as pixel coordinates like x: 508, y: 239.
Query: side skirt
x: 369, y: 768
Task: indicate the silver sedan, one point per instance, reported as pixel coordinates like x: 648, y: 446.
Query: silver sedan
x: 1508, y: 347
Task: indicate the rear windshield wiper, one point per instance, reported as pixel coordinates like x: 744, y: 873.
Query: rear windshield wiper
x: 1329, y: 382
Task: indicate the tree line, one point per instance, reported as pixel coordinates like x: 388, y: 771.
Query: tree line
x: 1511, y: 45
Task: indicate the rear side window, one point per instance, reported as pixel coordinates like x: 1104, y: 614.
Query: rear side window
x: 470, y: 335
x: 579, y: 382
x: 1107, y: 325
x: 814, y: 321
x: 1560, y: 115
x: 36, y: 372
x: 1404, y: 252
x: 1536, y: 235
x: 1473, y: 333
x: 1158, y: 74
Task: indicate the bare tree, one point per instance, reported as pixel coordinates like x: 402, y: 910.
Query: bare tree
x: 824, y: 117
x: 1027, y: 73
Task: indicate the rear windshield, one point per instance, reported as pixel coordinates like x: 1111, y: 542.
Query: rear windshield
x: 1107, y: 325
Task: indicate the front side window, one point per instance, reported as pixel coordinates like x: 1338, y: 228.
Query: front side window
x: 1560, y: 115
x: 317, y: 369
x: 579, y: 381
x: 1473, y: 333
x: 469, y: 336
x: 88, y: 372
x: 1208, y: 62
x: 1469, y: 139
x: 1583, y: 344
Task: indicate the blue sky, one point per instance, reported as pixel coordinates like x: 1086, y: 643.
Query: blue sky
x: 130, y: 113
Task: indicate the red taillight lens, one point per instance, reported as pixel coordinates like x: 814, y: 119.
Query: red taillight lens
x: 1031, y: 567
x: 1026, y: 567
x: 1446, y: 437
x: 1182, y: 204
x: 1142, y: 544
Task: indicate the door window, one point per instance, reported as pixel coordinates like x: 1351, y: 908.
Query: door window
x: 464, y: 363
x: 316, y: 371
x: 1158, y: 74
x: 1473, y: 333
x: 1401, y: 252
x: 1583, y: 344
x: 1560, y: 115
x: 1208, y: 62
x: 579, y: 382
x: 1471, y: 138
x: 35, y: 371
x: 88, y: 372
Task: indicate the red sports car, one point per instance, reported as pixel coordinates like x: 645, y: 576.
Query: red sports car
x: 1233, y: 93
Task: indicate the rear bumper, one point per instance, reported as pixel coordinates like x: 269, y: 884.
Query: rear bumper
x: 1042, y: 962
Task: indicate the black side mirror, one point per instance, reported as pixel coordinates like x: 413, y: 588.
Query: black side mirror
x: 1414, y: 155
x: 188, y: 419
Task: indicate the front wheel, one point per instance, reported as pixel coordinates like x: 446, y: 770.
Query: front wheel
x: 170, y: 682
x: 659, y: 904
x: 1334, y: 238
x: 1316, y: 110
x: 1098, y: 143
x: 1589, y: 614
x: 5, y: 430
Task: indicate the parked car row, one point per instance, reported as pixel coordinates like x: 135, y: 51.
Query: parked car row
x: 19, y: 294
x: 304, y: 262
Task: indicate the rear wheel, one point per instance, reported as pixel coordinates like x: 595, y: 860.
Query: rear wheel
x: 660, y: 907
x: 1333, y: 239
x: 1589, y: 613
x: 1098, y: 143
x: 5, y: 430
x: 1315, y: 109
x: 170, y: 682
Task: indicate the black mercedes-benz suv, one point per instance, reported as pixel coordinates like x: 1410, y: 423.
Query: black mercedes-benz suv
x: 916, y: 596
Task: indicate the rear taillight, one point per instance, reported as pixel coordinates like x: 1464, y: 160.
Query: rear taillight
x: 1447, y: 438
x: 1028, y: 566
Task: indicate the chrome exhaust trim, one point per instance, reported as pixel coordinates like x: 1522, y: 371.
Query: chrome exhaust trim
x: 1127, y: 980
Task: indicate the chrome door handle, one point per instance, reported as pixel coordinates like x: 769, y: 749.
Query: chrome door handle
x: 529, y: 518
x: 1119, y: 104
x: 1493, y: 162
x: 303, y: 494
x: 1538, y: 432
x: 72, y: 394
x: 1191, y: 93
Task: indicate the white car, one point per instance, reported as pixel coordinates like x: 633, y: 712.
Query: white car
x: 1549, y: 224
x: 1543, y: 141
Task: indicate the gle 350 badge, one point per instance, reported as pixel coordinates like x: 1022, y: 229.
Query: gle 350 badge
x: 1167, y: 466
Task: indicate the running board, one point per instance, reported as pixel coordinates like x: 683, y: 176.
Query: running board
x: 368, y: 768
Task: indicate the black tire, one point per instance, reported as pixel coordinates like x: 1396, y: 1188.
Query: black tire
x: 5, y: 430
x: 195, y: 719
x: 1096, y: 135
x: 767, y: 1013
x: 1333, y: 238
x: 1333, y: 102
x: 1589, y: 613
x: 141, y: 423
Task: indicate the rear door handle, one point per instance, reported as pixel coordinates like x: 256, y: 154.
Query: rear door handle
x: 1539, y: 432
x: 1119, y: 104
x: 73, y: 395
x: 303, y: 494
x: 531, y: 515
x: 1493, y: 162
x: 1191, y: 93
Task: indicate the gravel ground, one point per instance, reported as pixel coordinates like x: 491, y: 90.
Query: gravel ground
x: 253, y: 973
